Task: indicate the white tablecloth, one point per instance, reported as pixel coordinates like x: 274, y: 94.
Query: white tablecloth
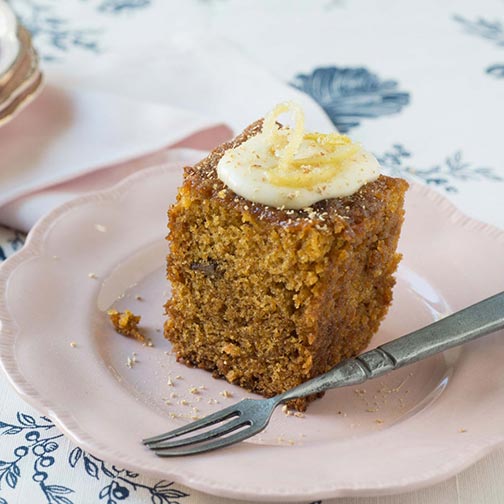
x: 420, y: 84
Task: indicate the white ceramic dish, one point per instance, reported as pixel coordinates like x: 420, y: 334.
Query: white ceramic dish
x: 9, y: 43
x: 412, y: 428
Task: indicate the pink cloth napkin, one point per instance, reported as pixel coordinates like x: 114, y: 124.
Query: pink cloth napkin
x: 72, y: 141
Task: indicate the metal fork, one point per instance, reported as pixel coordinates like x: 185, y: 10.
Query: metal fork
x: 250, y: 416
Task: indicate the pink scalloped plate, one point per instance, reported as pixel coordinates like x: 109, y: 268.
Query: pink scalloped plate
x: 412, y: 428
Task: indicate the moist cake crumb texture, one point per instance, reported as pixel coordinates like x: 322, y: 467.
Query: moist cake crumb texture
x: 126, y: 323
x: 268, y: 298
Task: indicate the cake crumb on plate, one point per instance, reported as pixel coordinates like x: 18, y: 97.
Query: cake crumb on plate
x: 126, y: 323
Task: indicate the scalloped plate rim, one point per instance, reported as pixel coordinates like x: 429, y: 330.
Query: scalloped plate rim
x: 68, y: 425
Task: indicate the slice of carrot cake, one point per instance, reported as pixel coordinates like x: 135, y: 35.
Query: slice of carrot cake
x: 282, y: 254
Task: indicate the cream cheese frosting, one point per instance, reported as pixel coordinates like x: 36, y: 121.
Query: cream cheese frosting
x: 286, y: 167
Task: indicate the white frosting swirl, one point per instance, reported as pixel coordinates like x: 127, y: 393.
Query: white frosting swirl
x: 259, y: 171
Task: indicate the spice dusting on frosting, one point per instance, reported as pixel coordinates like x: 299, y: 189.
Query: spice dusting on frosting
x: 284, y: 166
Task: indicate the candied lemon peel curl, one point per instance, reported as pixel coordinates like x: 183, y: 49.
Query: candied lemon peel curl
x: 330, y: 151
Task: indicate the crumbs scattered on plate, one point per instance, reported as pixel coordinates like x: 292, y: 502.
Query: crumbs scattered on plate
x: 131, y: 361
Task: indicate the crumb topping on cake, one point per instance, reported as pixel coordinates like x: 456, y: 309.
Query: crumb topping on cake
x: 285, y: 167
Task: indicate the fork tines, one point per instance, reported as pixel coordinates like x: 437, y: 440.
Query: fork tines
x: 234, y: 418
x: 217, y: 417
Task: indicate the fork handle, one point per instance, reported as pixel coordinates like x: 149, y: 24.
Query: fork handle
x: 477, y: 320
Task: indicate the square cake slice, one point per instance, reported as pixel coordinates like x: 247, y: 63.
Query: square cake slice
x: 268, y: 297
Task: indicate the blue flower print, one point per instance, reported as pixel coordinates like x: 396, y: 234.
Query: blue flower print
x: 349, y: 95
x: 38, y: 444
x: 445, y: 175
x: 10, y: 242
x: 121, y: 482
x: 492, y: 31
x: 496, y: 71
x: 118, y: 6
x: 481, y: 27
x: 54, y: 35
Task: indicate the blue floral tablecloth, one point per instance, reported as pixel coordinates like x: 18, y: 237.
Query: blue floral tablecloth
x: 420, y: 83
